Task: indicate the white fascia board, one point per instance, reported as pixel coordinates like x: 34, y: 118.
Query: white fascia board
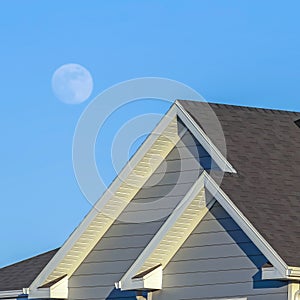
x: 59, y: 290
x: 270, y: 273
x: 127, y: 283
x: 151, y: 281
x: 247, y: 227
x: 204, y: 140
x: 41, y: 293
x: 12, y: 294
x: 176, y: 109
x: 293, y: 272
x: 70, y: 242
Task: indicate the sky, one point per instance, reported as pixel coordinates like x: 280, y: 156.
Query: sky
x: 235, y: 52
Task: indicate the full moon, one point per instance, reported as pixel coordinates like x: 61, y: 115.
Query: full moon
x: 72, y: 83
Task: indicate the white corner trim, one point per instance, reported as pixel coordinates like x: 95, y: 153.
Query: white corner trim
x: 204, y: 140
x: 12, y: 293
x: 293, y: 290
x: 247, y: 227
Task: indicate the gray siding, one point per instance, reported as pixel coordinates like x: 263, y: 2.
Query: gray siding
x: 125, y: 240
x: 217, y: 261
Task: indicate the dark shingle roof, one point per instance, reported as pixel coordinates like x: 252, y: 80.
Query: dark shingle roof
x: 21, y: 275
x: 264, y: 147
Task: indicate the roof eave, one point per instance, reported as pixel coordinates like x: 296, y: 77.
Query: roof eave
x: 14, y: 293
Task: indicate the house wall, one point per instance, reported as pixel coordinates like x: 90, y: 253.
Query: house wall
x: 127, y: 237
x: 218, y: 261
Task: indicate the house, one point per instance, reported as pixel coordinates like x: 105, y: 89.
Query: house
x: 191, y: 217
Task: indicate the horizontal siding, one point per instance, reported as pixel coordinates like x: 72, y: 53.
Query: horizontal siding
x: 209, y: 278
x: 220, y: 291
x: 180, y: 189
x: 172, y: 177
x: 123, y: 242
x: 186, y: 164
x: 211, y: 291
x: 214, y: 264
x: 122, y: 229
x: 217, y: 261
x: 205, y: 252
x: 109, y: 243
x: 111, y: 255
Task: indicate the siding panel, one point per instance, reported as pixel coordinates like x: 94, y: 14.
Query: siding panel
x: 217, y: 261
x: 124, y: 241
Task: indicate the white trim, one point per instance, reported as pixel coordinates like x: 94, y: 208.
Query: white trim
x: 221, y: 161
x: 175, y: 110
x: 205, y: 180
x: 77, y: 233
x: 151, y: 281
x: 58, y: 290
x: 204, y: 140
x: 270, y: 273
x: 293, y: 272
x: 293, y: 290
x: 247, y: 227
x: 12, y: 293
x: 126, y: 283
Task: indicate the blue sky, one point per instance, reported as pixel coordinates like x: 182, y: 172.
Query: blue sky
x: 237, y: 52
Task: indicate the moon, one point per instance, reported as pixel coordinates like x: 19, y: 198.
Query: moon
x: 72, y: 83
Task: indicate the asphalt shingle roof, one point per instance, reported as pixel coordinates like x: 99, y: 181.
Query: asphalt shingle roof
x: 21, y: 275
x: 263, y: 145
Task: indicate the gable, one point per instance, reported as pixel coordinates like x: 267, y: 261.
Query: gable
x: 148, y: 157
x: 167, y: 179
x: 139, y: 222
x: 264, y: 147
x: 218, y: 261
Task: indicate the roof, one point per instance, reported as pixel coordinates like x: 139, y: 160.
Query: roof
x: 263, y: 145
x: 20, y: 275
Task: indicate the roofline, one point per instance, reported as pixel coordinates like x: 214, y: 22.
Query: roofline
x: 96, y: 209
x: 175, y: 110
x: 125, y: 283
x: 255, y: 108
x: 204, y: 140
x: 282, y: 269
x: 247, y: 227
x: 13, y: 293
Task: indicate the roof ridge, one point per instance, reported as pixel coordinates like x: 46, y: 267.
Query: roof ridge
x: 243, y: 107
